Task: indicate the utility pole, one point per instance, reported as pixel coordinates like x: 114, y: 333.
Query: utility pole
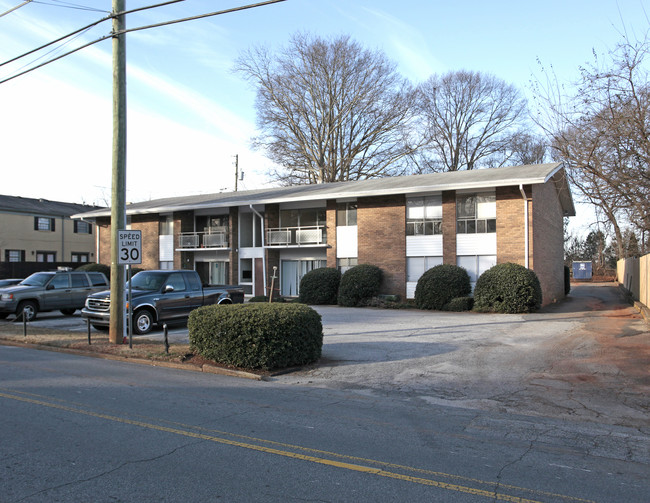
x: 118, y: 196
x: 236, y: 170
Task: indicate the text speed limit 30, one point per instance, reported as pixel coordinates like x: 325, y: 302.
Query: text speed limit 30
x: 130, y: 247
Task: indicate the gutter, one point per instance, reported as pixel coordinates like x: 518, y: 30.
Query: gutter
x: 523, y: 195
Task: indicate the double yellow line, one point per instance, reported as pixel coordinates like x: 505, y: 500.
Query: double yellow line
x: 186, y: 431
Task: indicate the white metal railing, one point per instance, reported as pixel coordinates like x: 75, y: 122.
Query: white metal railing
x: 296, y: 236
x: 203, y: 240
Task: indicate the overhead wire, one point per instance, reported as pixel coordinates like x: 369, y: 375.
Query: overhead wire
x: 15, y: 8
x: 121, y: 32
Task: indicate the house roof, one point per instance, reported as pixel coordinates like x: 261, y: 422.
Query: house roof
x: 17, y: 204
x: 434, y: 182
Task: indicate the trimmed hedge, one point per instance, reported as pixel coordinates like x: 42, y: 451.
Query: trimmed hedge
x: 440, y: 284
x: 508, y: 288
x: 359, y: 284
x: 320, y: 286
x: 257, y: 336
x: 458, y: 304
x: 264, y: 298
x: 92, y: 267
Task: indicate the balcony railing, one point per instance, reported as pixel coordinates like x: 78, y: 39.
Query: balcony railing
x: 196, y: 240
x: 296, y: 236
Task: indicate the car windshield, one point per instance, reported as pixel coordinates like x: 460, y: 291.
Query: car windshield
x: 37, y: 279
x: 147, y: 280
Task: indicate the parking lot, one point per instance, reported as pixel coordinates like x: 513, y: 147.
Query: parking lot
x: 585, y: 358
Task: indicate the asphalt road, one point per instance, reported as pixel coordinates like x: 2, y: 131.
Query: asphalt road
x: 82, y: 429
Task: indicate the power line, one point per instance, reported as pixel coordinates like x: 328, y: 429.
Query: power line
x: 69, y: 5
x: 140, y: 28
x: 15, y: 8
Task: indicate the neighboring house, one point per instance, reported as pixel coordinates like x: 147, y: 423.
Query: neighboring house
x: 404, y: 225
x: 38, y: 230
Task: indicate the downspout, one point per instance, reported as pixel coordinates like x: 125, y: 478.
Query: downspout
x: 263, y: 252
x: 523, y: 194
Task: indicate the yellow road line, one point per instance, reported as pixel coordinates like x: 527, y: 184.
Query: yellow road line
x: 304, y: 457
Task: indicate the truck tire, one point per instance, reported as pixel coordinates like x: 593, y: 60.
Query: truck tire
x: 3, y: 315
x: 101, y: 328
x: 68, y: 312
x: 142, y: 322
x: 27, y: 305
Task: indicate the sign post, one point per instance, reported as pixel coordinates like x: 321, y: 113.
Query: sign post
x: 130, y: 252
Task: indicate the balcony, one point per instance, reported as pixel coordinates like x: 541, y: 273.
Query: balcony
x: 296, y: 236
x: 203, y: 240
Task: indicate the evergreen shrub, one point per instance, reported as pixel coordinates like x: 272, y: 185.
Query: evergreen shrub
x: 320, y: 286
x: 359, y: 284
x: 93, y: 267
x: 440, y: 284
x: 257, y: 336
x: 458, y: 304
x: 508, y: 288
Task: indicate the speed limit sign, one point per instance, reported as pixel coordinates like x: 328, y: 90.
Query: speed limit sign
x: 130, y: 247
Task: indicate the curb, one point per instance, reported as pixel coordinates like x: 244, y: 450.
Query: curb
x: 206, y: 368
x: 643, y: 309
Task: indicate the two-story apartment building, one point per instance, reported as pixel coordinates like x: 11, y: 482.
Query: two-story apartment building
x: 404, y: 225
x: 38, y: 230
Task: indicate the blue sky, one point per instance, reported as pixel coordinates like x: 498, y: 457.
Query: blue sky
x: 189, y: 114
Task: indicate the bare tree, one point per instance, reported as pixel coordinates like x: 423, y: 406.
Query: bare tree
x: 468, y: 118
x: 600, y: 127
x: 329, y: 110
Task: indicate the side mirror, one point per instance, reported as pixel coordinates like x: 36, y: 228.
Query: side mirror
x: 168, y: 288
x: 50, y: 287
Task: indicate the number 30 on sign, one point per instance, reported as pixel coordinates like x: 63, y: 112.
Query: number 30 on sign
x: 130, y: 246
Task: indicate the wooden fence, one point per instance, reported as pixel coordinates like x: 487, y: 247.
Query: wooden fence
x: 634, y: 275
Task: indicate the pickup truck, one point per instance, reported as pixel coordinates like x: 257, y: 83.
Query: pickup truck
x: 49, y: 291
x: 161, y: 296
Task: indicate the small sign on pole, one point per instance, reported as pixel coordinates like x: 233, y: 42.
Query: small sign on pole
x: 130, y: 246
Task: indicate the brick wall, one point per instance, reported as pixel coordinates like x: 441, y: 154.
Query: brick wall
x: 148, y: 224
x: 382, y: 239
x: 510, y: 225
x: 331, y: 233
x: 449, y: 227
x: 233, y: 240
x: 548, y: 234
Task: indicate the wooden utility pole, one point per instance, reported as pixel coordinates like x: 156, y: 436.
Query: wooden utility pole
x: 118, y: 197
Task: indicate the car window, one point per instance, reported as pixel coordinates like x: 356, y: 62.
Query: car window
x: 60, y: 281
x: 97, y: 279
x: 37, y: 279
x: 79, y: 280
x: 176, y: 281
x: 192, y: 281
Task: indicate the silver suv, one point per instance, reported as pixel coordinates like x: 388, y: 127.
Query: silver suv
x: 49, y: 291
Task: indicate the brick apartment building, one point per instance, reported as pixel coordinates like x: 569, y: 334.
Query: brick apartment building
x: 404, y: 225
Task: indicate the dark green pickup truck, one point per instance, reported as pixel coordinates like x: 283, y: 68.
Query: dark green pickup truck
x: 65, y: 291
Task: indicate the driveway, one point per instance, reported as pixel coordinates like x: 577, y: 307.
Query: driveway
x: 587, y: 357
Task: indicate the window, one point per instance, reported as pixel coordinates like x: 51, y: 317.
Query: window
x: 344, y: 264
x: 166, y: 265
x: 302, y: 218
x: 176, y: 281
x: 81, y: 227
x: 79, y: 257
x: 476, y: 213
x: 14, y: 255
x: 165, y: 226
x: 424, y: 216
x: 97, y: 279
x: 346, y: 214
x: 475, y: 265
x: 79, y: 280
x: 60, y: 281
x: 417, y: 266
x: 43, y: 224
x: 45, y: 256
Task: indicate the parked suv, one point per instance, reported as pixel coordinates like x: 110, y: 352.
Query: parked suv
x: 49, y: 291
